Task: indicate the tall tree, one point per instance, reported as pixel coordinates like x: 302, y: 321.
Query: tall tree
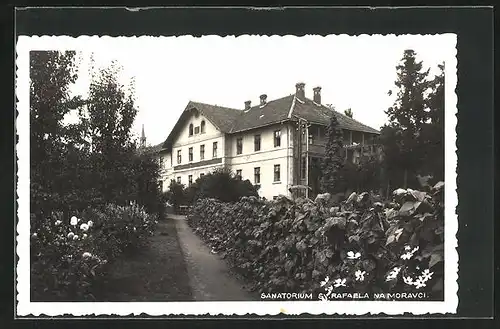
x: 110, y: 115
x: 331, y: 180
x: 348, y: 112
x: 433, y: 130
x: 407, y: 117
x: 51, y: 75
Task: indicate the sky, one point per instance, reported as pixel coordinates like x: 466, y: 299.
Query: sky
x: 354, y: 71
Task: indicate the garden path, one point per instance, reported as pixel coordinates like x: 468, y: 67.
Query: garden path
x: 209, y: 276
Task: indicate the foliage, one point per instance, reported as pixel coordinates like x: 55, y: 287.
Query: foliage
x: 362, y: 245
x: 333, y: 162
x: 413, y: 139
x: 176, y: 194
x: 69, y: 258
x: 348, y: 112
x: 221, y: 184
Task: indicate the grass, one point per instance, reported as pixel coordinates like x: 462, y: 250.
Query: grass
x: 153, y: 274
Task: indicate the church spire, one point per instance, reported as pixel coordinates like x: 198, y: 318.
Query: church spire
x: 143, y: 137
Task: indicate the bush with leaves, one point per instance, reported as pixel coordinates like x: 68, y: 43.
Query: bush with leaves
x: 69, y: 256
x: 297, y: 246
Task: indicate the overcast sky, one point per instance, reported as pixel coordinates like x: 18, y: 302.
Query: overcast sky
x: 355, y: 72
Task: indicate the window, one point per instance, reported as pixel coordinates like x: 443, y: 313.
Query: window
x: 190, y: 154
x: 311, y: 139
x: 203, y: 127
x: 202, y: 152
x: 179, y: 156
x: 214, y: 153
x: 239, y: 145
x: 277, y: 138
x: 256, y: 143
x: 161, y: 162
x: 276, y: 173
x: 197, y: 129
x: 275, y: 197
x: 179, y: 180
x: 190, y: 180
x: 172, y: 181
x: 238, y: 173
x: 256, y: 174
x: 190, y: 129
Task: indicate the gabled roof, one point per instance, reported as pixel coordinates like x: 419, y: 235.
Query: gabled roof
x: 258, y: 116
x: 229, y: 120
x: 320, y: 114
x: 221, y: 117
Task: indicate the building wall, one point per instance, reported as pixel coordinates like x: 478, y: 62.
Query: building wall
x: 266, y: 158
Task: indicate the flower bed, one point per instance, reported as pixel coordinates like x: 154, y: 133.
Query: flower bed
x: 304, y: 246
x: 69, y: 257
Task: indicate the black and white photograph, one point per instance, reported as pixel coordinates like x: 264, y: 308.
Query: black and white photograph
x: 237, y: 174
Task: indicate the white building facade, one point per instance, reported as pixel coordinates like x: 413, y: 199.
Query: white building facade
x: 265, y: 144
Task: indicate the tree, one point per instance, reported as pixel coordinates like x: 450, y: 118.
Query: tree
x: 331, y: 180
x: 433, y: 130
x: 52, y: 144
x: 407, y: 117
x: 109, y: 118
x: 348, y: 112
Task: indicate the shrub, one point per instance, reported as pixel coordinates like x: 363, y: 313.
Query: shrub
x: 364, y: 246
x: 69, y: 257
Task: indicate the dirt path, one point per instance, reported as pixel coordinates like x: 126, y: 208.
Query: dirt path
x: 209, y: 276
x: 156, y: 273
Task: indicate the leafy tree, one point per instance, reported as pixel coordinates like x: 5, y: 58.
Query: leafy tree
x: 433, y: 131
x: 348, y: 112
x: 223, y: 185
x: 176, y: 194
x: 333, y: 162
x: 402, y: 137
x: 51, y: 75
x: 109, y: 118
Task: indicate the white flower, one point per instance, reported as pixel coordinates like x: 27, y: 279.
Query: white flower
x: 58, y: 222
x: 90, y: 223
x: 86, y: 255
x: 339, y: 283
x: 352, y: 255
x: 323, y: 283
x: 360, y: 275
x: 84, y: 236
x: 407, y: 255
x: 75, y: 237
x: 70, y: 235
x: 427, y: 274
x: 84, y: 227
x: 419, y: 283
x: 415, y: 250
x: 407, y: 247
x: 408, y: 280
x: 73, y: 221
x: 393, y: 274
x: 135, y: 229
x: 35, y: 235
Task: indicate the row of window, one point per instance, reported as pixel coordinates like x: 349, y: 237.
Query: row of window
x: 257, y: 142
x: 202, y: 153
x: 256, y: 174
x: 198, y: 129
x: 239, y: 173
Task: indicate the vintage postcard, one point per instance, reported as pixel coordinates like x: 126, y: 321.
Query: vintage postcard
x: 238, y: 175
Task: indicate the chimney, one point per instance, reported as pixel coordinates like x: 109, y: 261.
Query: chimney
x: 263, y: 99
x: 299, y: 90
x: 317, y: 95
x: 247, y: 105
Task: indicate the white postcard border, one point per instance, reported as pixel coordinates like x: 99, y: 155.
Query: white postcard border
x: 25, y: 307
